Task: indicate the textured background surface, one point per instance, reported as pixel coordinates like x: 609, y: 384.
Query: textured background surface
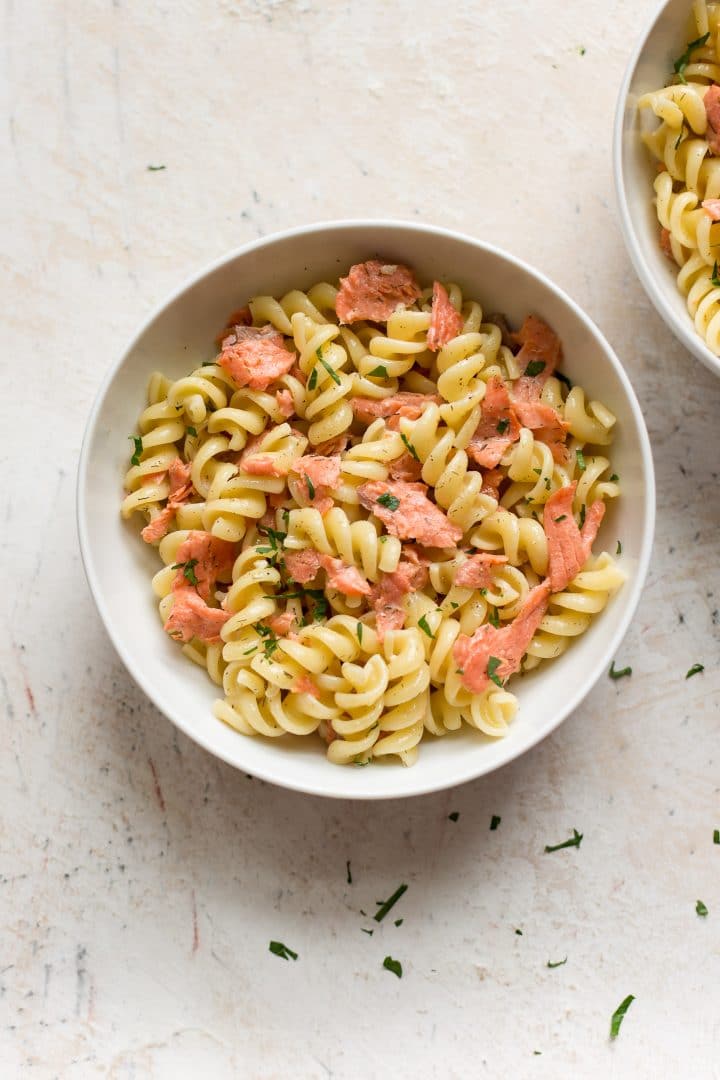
x: 141, y: 880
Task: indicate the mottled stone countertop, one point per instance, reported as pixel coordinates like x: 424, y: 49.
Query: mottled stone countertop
x: 141, y: 880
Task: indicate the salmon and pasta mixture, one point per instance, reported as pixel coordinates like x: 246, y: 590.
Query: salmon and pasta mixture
x: 374, y: 506
x: 685, y: 145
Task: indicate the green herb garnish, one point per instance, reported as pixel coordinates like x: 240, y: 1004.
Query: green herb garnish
x: 249, y: 651
x: 715, y: 280
x: 494, y: 618
x: 701, y: 909
x: 682, y: 61
x: 716, y: 836
x: 192, y: 431
x: 423, y: 624
x: 330, y: 370
x: 378, y: 372
x: 393, y: 965
x: 454, y: 816
x: 556, y: 963
x: 359, y: 632
x: 619, y: 1015
x: 695, y: 670
x: 619, y: 673
x: 561, y: 518
x: 135, y: 459
x: 519, y: 933
x: 349, y: 872
x: 618, y: 549
x: 389, y: 501
x: 502, y: 426
x: 535, y: 367
x: 583, y: 511
x: 310, y: 486
x: 493, y: 664
x: 580, y: 458
x: 574, y: 841
x: 399, y: 922
x: 312, y: 381
x: 494, y: 822
x: 156, y: 168
x: 387, y: 905
x: 614, y: 478
x: 582, y: 50
x: 370, y: 932
x: 278, y: 949
x: 188, y: 569
x: 411, y: 449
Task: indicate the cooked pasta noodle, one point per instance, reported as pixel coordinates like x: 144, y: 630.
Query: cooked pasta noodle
x: 686, y: 146
x: 346, y: 503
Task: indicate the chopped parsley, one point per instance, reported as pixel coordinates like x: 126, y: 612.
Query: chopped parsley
x: 614, y: 478
x: 556, y: 963
x: 359, y: 632
x: 270, y: 642
x: 695, y: 670
x: 399, y: 922
x: 494, y: 618
x: 188, y: 569
x: 370, y: 932
x: 393, y: 965
x: 454, y: 816
x: 716, y: 836
x: 278, y: 949
x: 580, y: 458
x: 502, y: 426
x: 192, y: 431
x: 574, y: 841
x: 330, y: 370
x: 618, y: 549
x: 619, y: 673
x: 387, y: 905
x: 423, y: 624
x: 389, y: 501
x: 535, y: 367
x: 561, y: 518
x: 619, y: 1015
x: 135, y: 459
x: 493, y: 664
x: 494, y: 822
x: 563, y: 379
x: 349, y: 872
x: 410, y: 448
x: 310, y: 486
x: 249, y: 651
x: 701, y: 909
x: 682, y: 61
x: 312, y: 381
x: 156, y: 168
x: 583, y: 511
x: 519, y: 933
x: 582, y: 50
x: 715, y: 280
x: 378, y: 372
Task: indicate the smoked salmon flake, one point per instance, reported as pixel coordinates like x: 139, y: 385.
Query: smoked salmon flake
x: 445, y: 321
x: 408, y: 405
x: 569, y: 547
x: 255, y: 357
x: 373, y: 290
x: 190, y: 617
x: 407, y: 513
x: 499, y: 426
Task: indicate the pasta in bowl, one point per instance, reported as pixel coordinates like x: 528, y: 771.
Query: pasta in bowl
x: 375, y: 505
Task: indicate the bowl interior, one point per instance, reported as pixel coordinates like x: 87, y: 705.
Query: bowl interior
x: 649, y: 69
x: 180, y: 335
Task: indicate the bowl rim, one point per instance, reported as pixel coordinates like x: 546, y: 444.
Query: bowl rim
x: 458, y: 775
x: 682, y: 328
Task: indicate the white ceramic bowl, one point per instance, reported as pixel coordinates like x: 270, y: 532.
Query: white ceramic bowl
x: 180, y: 333
x: 662, y: 41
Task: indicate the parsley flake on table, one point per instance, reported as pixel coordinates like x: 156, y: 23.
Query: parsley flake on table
x: 391, y: 502
x: 556, y: 963
x: 349, y: 872
x: 387, y: 905
x: 716, y: 836
x: 619, y: 1015
x: 393, y: 965
x: 135, y: 459
x: 454, y: 816
x: 701, y: 909
x: 619, y: 673
x: 618, y: 549
x: 156, y: 168
x: 399, y: 922
x: 574, y: 841
x: 682, y: 61
x: 695, y: 670
x: 278, y: 949
x: 494, y: 822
